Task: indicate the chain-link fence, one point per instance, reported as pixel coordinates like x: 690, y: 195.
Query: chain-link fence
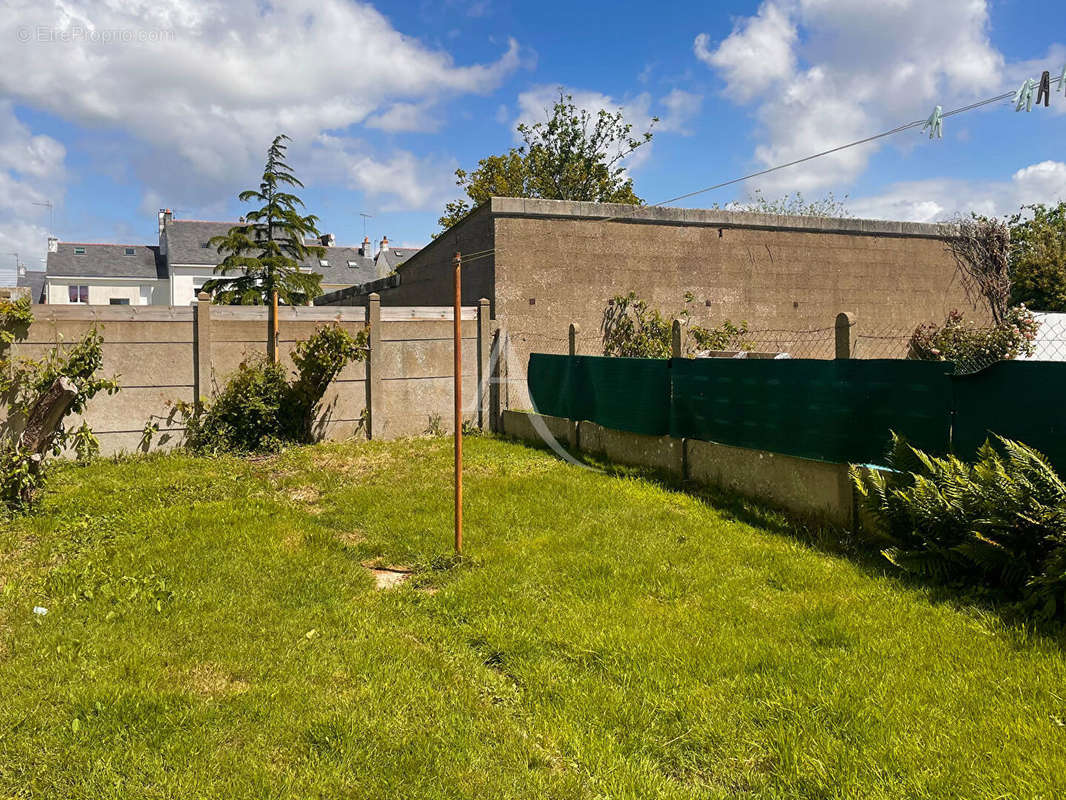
x: 970, y: 348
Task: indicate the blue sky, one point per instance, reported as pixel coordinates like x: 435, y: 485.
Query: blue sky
x: 112, y: 111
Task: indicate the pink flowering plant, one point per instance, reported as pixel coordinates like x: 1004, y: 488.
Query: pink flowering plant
x: 976, y: 346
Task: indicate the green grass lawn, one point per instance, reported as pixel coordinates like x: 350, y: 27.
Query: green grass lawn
x: 212, y: 633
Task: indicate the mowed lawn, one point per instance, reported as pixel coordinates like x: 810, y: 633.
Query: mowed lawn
x: 211, y: 633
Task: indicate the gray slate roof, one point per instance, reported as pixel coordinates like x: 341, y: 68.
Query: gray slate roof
x: 185, y: 237
x: 35, y: 281
x: 395, y: 256
x: 106, y: 261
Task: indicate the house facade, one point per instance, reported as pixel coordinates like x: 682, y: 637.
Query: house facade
x: 174, y: 270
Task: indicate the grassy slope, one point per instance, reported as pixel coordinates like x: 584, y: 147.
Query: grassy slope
x: 211, y: 634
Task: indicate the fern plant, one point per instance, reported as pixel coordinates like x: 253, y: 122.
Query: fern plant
x: 998, y: 524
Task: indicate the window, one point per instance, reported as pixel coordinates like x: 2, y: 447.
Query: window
x: 323, y: 262
x: 79, y: 251
x: 120, y: 301
x: 131, y: 251
x: 78, y: 294
x: 205, y: 245
x: 353, y: 263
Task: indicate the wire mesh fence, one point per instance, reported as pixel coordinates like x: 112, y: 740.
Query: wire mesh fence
x: 969, y: 348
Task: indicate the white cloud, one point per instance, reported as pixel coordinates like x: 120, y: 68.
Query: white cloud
x: 204, y: 85
x: 825, y: 72
x: 757, y: 53
x: 405, y: 117
x: 31, y: 171
x: 681, y: 107
x: 404, y: 181
x: 936, y: 200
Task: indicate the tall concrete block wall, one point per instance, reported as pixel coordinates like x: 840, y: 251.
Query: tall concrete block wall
x: 551, y: 263
x: 166, y: 354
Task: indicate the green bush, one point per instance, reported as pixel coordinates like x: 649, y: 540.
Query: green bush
x: 997, y: 525
x: 260, y: 409
x: 23, y: 381
x: 631, y: 329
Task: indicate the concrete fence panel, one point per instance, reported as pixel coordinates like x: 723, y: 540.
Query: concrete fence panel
x: 164, y: 355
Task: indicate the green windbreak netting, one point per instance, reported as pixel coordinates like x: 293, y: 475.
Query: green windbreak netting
x: 548, y: 378
x: 1022, y: 400
x: 831, y: 410
x: 629, y: 394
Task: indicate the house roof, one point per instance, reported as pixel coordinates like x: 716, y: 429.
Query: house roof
x: 73, y: 259
x: 34, y: 281
x: 186, y: 237
x: 346, y: 266
x: 395, y: 256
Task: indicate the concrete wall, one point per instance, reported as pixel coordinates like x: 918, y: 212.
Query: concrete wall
x: 554, y: 262
x: 163, y: 354
x: 817, y: 490
x: 427, y: 278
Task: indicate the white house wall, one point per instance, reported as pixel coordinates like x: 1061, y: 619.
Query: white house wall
x: 103, y: 290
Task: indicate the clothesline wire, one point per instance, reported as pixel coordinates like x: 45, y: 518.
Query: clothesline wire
x: 898, y: 129
x: 866, y: 140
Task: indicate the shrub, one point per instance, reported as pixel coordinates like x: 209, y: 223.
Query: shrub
x: 973, y: 347
x: 997, y: 525
x: 632, y: 329
x: 261, y: 410
x: 23, y: 383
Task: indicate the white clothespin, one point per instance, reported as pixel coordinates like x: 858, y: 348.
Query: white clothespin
x: 1024, y: 95
x: 935, y: 123
x: 1062, y: 80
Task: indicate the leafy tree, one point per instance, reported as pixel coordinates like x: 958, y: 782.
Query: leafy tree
x: 574, y: 155
x: 262, y: 256
x: 1038, y: 257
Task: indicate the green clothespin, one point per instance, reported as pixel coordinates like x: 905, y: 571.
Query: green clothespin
x: 935, y: 123
x: 1024, y: 95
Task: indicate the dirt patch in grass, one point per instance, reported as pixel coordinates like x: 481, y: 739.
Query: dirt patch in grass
x: 388, y: 577
x: 350, y: 538
x: 307, y: 497
x: 210, y: 680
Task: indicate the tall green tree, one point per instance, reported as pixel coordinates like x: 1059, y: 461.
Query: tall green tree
x: 573, y: 155
x: 262, y: 256
x: 1038, y: 257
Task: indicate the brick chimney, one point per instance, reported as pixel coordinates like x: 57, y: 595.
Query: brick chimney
x: 384, y: 245
x: 365, y: 251
x: 53, y: 244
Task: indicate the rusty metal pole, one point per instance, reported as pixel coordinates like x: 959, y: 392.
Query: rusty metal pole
x: 458, y: 406
x: 275, y: 332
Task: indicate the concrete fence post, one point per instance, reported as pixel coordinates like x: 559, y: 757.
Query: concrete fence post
x: 201, y: 359
x: 484, y: 352
x: 572, y: 433
x: 374, y: 400
x: 498, y: 380
x: 845, y: 335
x: 677, y: 339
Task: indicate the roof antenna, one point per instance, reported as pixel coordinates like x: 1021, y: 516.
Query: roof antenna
x: 365, y: 218
x: 51, y: 215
